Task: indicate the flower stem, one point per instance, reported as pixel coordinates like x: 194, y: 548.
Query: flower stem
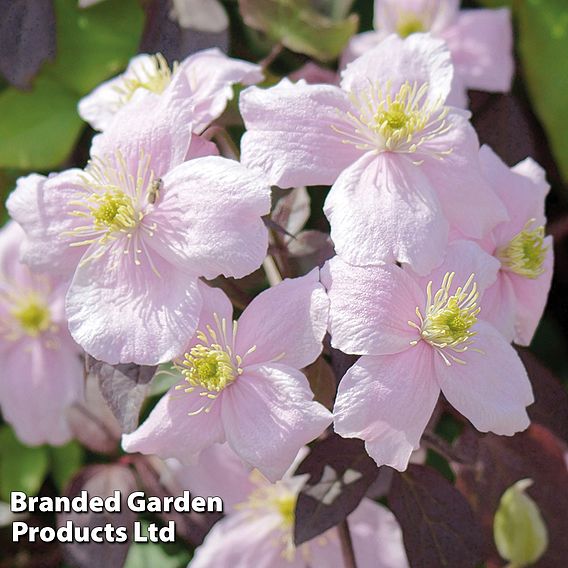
x: 346, y: 545
x: 271, y: 270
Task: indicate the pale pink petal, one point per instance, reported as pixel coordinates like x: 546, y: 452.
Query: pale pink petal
x: 291, y: 133
x: 464, y: 258
x: 383, y: 209
x: 469, y: 203
x: 499, y: 305
x: 531, y: 296
x: 37, y: 385
x: 458, y: 95
x: 201, y: 147
x: 435, y: 15
x: 210, y: 76
x: 358, y: 45
x: 170, y: 432
x: 481, y: 42
x: 419, y: 59
x: 492, y: 388
x: 315, y: 74
x: 286, y: 323
x: 120, y: 312
x: 377, y: 537
x: 362, y: 318
x: 269, y: 414
x: 387, y: 401
x: 217, y: 470
x: 522, y: 189
x: 212, y: 204
x: 42, y: 207
x: 99, y: 107
x: 241, y: 541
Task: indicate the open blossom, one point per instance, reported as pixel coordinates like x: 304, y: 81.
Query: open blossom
x: 137, y: 228
x: 418, y: 336
x: 258, y: 529
x: 480, y: 41
x: 402, y: 164
x: 207, y: 77
x: 42, y: 372
x: 514, y: 304
x: 242, y: 381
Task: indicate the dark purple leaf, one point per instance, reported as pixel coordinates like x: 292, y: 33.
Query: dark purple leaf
x: 322, y: 381
x: 550, y: 408
x: 102, y: 481
x: 164, y: 35
x: 92, y: 422
x: 340, y: 471
x: 500, y: 461
x: 438, y: 525
x: 27, y: 38
x: 124, y: 387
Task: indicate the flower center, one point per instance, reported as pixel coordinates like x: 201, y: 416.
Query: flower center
x: 409, y: 24
x: 155, y: 75
x: 212, y: 365
x: 286, y: 505
x: 448, y: 319
x: 525, y: 253
x: 33, y: 316
x: 402, y: 122
x: 113, y: 211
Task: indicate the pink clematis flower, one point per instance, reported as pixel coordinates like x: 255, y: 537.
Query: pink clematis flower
x: 258, y: 529
x: 402, y: 164
x: 242, y: 381
x: 138, y: 227
x: 480, y: 41
x: 515, y: 303
x: 42, y: 372
x: 207, y: 77
x: 418, y: 336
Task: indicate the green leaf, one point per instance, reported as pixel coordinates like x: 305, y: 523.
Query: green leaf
x: 543, y: 45
x: 65, y: 462
x: 296, y: 25
x: 39, y: 128
x: 94, y: 44
x: 22, y: 468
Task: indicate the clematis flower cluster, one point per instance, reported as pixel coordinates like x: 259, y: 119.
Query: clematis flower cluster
x: 441, y: 261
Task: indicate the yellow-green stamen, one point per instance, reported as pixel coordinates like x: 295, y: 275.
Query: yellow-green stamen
x: 525, y: 254
x: 449, y: 318
x: 33, y: 316
x: 409, y: 24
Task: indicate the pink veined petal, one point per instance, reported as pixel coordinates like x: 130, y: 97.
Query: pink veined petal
x: 492, y: 389
x: 481, y: 42
x: 286, y: 323
x: 209, y: 218
x: 469, y: 203
x: 42, y: 207
x: 436, y: 15
x: 531, y: 296
x: 242, y: 540
x: 358, y: 45
x: 210, y: 78
x: 464, y: 258
x: 291, y: 133
x: 38, y: 384
x: 99, y: 107
x: 419, y: 59
x: 269, y: 414
x: 499, y: 305
x: 377, y: 537
x: 387, y: 401
x: 120, y: 312
x: 383, y: 209
x: 217, y: 470
x: 170, y: 432
x: 522, y: 189
x: 371, y: 307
